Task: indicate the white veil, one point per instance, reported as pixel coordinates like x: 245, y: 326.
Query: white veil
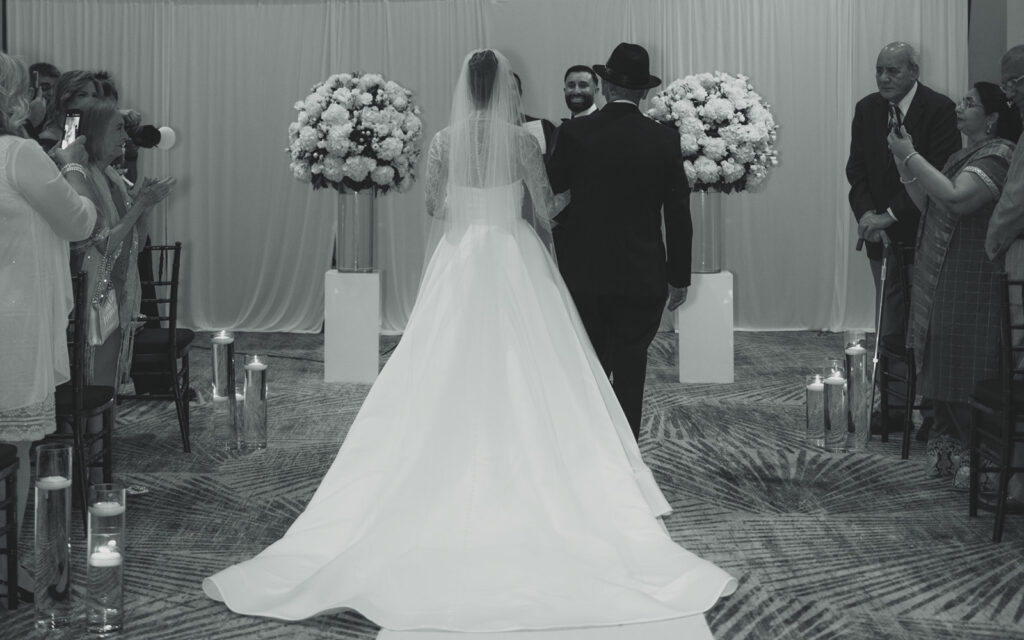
x: 476, y: 163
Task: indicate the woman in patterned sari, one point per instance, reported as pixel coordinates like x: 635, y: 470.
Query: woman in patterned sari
x: 115, y: 239
x: 954, y: 323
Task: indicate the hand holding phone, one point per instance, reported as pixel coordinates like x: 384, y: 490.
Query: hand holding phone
x: 72, y: 119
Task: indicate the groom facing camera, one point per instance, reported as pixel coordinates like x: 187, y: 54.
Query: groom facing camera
x: 625, y: 173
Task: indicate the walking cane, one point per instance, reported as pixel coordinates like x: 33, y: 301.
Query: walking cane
x: 878, y: 321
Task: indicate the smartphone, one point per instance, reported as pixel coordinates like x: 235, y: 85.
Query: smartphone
x: 34, y: 86
x: 71, y: 121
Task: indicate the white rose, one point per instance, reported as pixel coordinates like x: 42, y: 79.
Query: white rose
x: 316, y: 168
x: 365, y: 99
x: 412, y: 124
x: 301, y: 171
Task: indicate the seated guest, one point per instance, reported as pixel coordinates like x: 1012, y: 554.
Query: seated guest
x: 114, y: 242
x: 73, y: 88
x: 39, y: 213
x: 954, y: 323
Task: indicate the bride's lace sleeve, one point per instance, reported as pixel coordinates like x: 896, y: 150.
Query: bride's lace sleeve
x: 535, y: 177
x: 437, y: 174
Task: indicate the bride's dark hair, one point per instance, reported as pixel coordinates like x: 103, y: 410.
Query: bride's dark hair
x: 483, y: 66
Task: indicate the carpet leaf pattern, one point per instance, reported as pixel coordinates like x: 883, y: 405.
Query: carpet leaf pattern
x: 825, y: 546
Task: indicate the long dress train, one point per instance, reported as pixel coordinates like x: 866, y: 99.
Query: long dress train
x: 490, y: 481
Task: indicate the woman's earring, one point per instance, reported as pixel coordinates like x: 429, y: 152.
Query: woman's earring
x: 988, y: 128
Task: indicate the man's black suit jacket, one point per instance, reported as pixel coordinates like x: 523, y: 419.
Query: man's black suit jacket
x: 624, y: 169
x: 874, y: 179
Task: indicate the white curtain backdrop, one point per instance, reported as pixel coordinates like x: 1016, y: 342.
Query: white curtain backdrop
x: 225, y: 73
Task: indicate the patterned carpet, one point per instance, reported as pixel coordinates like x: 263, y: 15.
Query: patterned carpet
x: 824, y: 546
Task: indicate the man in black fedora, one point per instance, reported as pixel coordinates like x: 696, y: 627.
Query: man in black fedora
x: 624, y: 172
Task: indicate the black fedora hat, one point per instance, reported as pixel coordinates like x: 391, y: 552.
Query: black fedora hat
x: 629, y: 67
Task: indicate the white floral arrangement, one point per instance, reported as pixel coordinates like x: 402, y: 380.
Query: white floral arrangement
x: 355, y: 132
x: 726, y: 130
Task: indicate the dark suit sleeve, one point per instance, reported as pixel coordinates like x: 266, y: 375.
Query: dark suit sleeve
x: 548, y: 128
x: 936, y: 140
x: 559, y: 163
x: 678, y: 225
x: 856, y: 165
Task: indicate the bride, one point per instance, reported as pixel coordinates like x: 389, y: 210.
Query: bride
x: 490, y: 481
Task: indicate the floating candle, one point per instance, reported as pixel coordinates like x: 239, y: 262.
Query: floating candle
x: 53, y: 482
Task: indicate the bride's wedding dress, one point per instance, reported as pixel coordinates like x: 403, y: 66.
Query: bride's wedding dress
x: 490, y: 481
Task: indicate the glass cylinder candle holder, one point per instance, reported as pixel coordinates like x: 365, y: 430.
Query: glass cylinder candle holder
x: 105, y: 554
x: 254, y: 405
x: 815, y: 395
x: 53, y: 606
x: 858, y: 390
x: 226, y: 417
x: 836, y: 411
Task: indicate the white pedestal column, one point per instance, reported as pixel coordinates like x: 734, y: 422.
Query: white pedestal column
x: 351, y: 326
x: 705, y: 324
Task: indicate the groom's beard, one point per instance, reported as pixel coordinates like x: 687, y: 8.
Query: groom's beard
x: 578, y: 102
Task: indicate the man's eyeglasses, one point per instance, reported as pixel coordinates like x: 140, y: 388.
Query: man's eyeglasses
x: 1010, y: 85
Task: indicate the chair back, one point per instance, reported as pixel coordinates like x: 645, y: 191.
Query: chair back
x: 167, y: 258
x: 77, y: 340
x: 1011, y: 360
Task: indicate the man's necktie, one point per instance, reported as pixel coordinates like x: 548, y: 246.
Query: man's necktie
x: 895, y: 117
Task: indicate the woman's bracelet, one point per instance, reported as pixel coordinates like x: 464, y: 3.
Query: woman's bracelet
x: 72, y: 167
x: 909, y: 156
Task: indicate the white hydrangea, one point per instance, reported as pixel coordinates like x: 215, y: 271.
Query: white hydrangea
x: 389, y: 149
x: 717, y: 109
x: 691, y: 126
x: 333, y: 168
x: 688, y: 143
x: 714, y: 148
x: 707, y: 170
x: 731, y: 171
x: 382, y: 175
x: 338, y: 141
x: 358, y: 167
x: 308, y: 138
x: 683, y: 108
x: 301, y: 171
x: 335, y: 114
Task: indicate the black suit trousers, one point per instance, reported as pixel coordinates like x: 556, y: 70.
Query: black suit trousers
x: 621, y: 329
